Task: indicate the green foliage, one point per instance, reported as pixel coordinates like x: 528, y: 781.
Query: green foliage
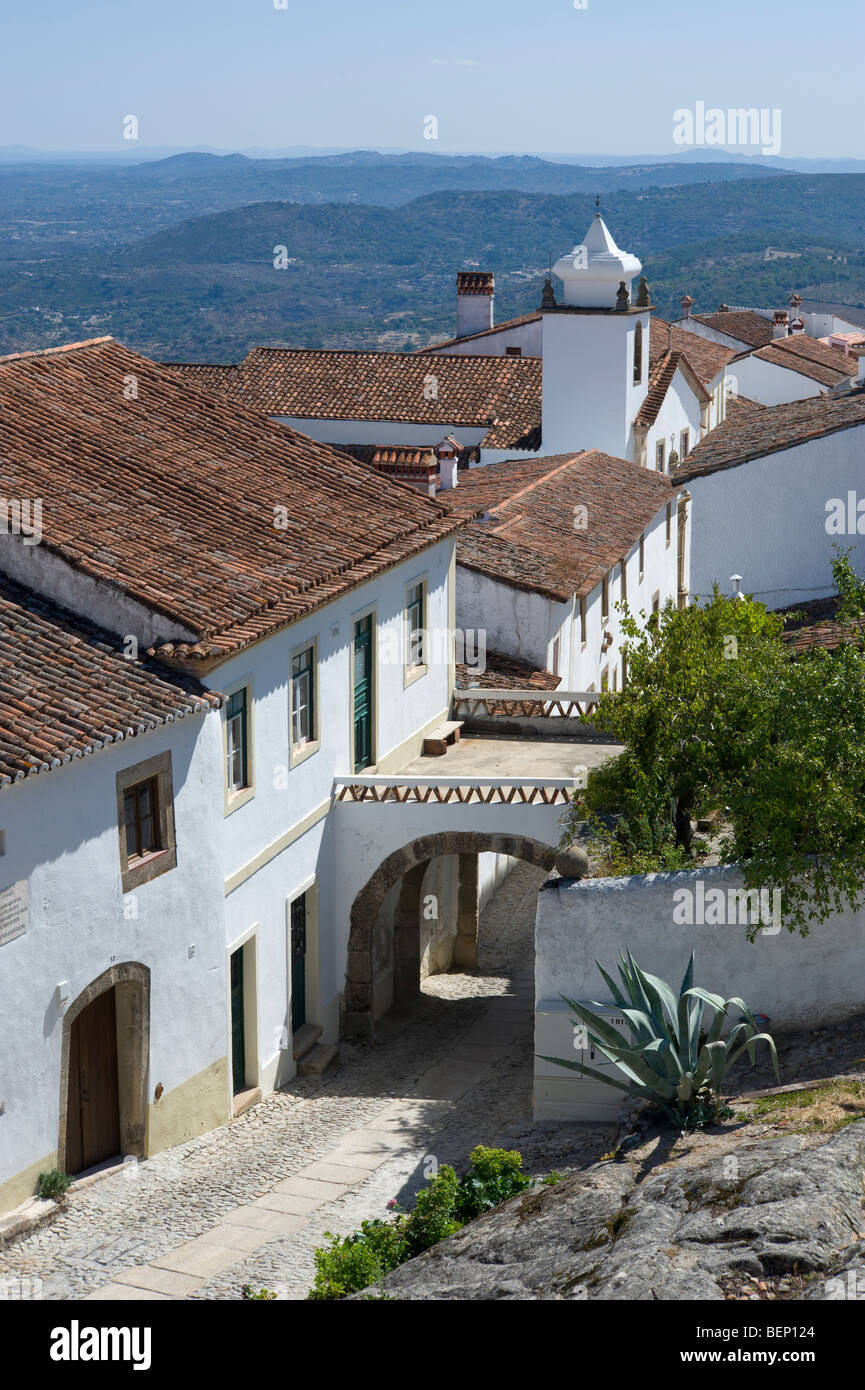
x: 693, y: 676
x: 716, y: 713
x: 351, y: 1263
x: 494, y: 1176
x: 797, y: 799
x: 666, y: 1058
x: 850, y: 588
x: 252, y: 1295
x: 434, y: 1215
x: 551, y: 1179
x: 53, y: 1185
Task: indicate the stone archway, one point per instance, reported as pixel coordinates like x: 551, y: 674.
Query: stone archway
x: 406, y: 863
x: 131, y: 984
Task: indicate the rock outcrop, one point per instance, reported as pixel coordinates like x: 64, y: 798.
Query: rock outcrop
x: 774, y: 1214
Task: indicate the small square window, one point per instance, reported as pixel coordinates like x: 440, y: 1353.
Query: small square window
x: 145, y: 812
x: 642, y: 555
x: 415, y: 635
x: 684, y: 444
x: 583, y: 634
x: 514, y: 351
x: 660, y: 455
x: 669, y: 522
x: 605, y: 598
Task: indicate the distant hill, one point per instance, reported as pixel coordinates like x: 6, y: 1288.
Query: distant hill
x: 362, y: 275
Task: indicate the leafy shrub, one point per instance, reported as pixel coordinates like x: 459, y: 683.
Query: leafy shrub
x: 251, y: 1294
x: 351, y: 1263
x: 54, y: 1185
x: 435, y: 1212
x: 494, y: 1176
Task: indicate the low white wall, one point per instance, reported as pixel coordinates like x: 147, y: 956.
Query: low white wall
x: 797, y: 982
x: 493, y: 869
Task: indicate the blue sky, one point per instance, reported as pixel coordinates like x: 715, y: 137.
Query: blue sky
x: 521, y: 75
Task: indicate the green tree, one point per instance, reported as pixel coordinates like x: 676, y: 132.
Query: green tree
x: 693, y: 675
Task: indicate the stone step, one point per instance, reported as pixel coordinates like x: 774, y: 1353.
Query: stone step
x: 305, y: 1039
x: 323, y: 1059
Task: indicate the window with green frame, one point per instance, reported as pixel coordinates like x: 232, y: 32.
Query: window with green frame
x: 236, y: 741
x: 415, y: 627
x: 303, y: 711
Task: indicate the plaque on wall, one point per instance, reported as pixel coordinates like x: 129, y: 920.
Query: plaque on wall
x: 13, y: 912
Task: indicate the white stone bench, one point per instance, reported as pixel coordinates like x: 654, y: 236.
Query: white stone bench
x: 436, y: 743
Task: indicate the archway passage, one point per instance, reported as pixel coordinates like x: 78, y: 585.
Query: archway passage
x: 408, y: 864
x: 103, y: 1074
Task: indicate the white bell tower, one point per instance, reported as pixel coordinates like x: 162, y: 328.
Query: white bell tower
x: 596, y: 349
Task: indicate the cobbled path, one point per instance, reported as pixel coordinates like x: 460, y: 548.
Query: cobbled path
x: 248, y: 1203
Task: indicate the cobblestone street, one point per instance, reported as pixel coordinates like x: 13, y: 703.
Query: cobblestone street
x: 249, y: 1202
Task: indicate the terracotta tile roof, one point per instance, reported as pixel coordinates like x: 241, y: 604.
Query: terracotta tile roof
x: 813, y: 624
x: 660, y: 380
x: 743, y: 324
x: 67, y: 689
x: 506, y: 673
x: 707, y: 359
x: 530, y: 540
x: 172, y: 497
x: 809, y: 357
x: 483, y: 332
x: 502, y: 393
x: 737, y: 407
x: 404, y: 458
x: 755, y: 433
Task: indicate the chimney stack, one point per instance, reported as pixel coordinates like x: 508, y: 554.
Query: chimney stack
x: 797, y: 326
x: 475, y: 296
x: 780, y: 326
x: 687, y: 304
x: 447, y: 454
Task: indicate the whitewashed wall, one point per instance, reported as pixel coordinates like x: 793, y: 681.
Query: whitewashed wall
x: 281, y: 839
x: 772, y: 385
x: 384, y: 432
x: 527, y: 336
x: 589, y: 399
x: 797, y: 982
x: 766, y: 520
x: 525, y: 625
x: 62, y: 839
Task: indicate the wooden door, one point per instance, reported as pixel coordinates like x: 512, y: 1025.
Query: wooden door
x: 93, y: 1105
x: 363, y: 694
x: 238, y: 1032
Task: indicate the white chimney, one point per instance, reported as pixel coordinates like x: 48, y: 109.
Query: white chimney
x: 780, y: 324
x: 686, y: 305
x: 447, y: 454
x: 475, y: 296
x: 797, y: 326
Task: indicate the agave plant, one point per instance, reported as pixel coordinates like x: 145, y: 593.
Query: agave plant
x: 669, y: 1059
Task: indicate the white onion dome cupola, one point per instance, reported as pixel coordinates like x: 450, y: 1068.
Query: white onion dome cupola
x: 595, y: 273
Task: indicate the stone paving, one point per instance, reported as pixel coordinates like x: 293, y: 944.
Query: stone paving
x: 248, y: 1203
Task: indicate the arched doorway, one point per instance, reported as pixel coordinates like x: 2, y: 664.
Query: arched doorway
x: 408, y: 864
x: 103, y: 1071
